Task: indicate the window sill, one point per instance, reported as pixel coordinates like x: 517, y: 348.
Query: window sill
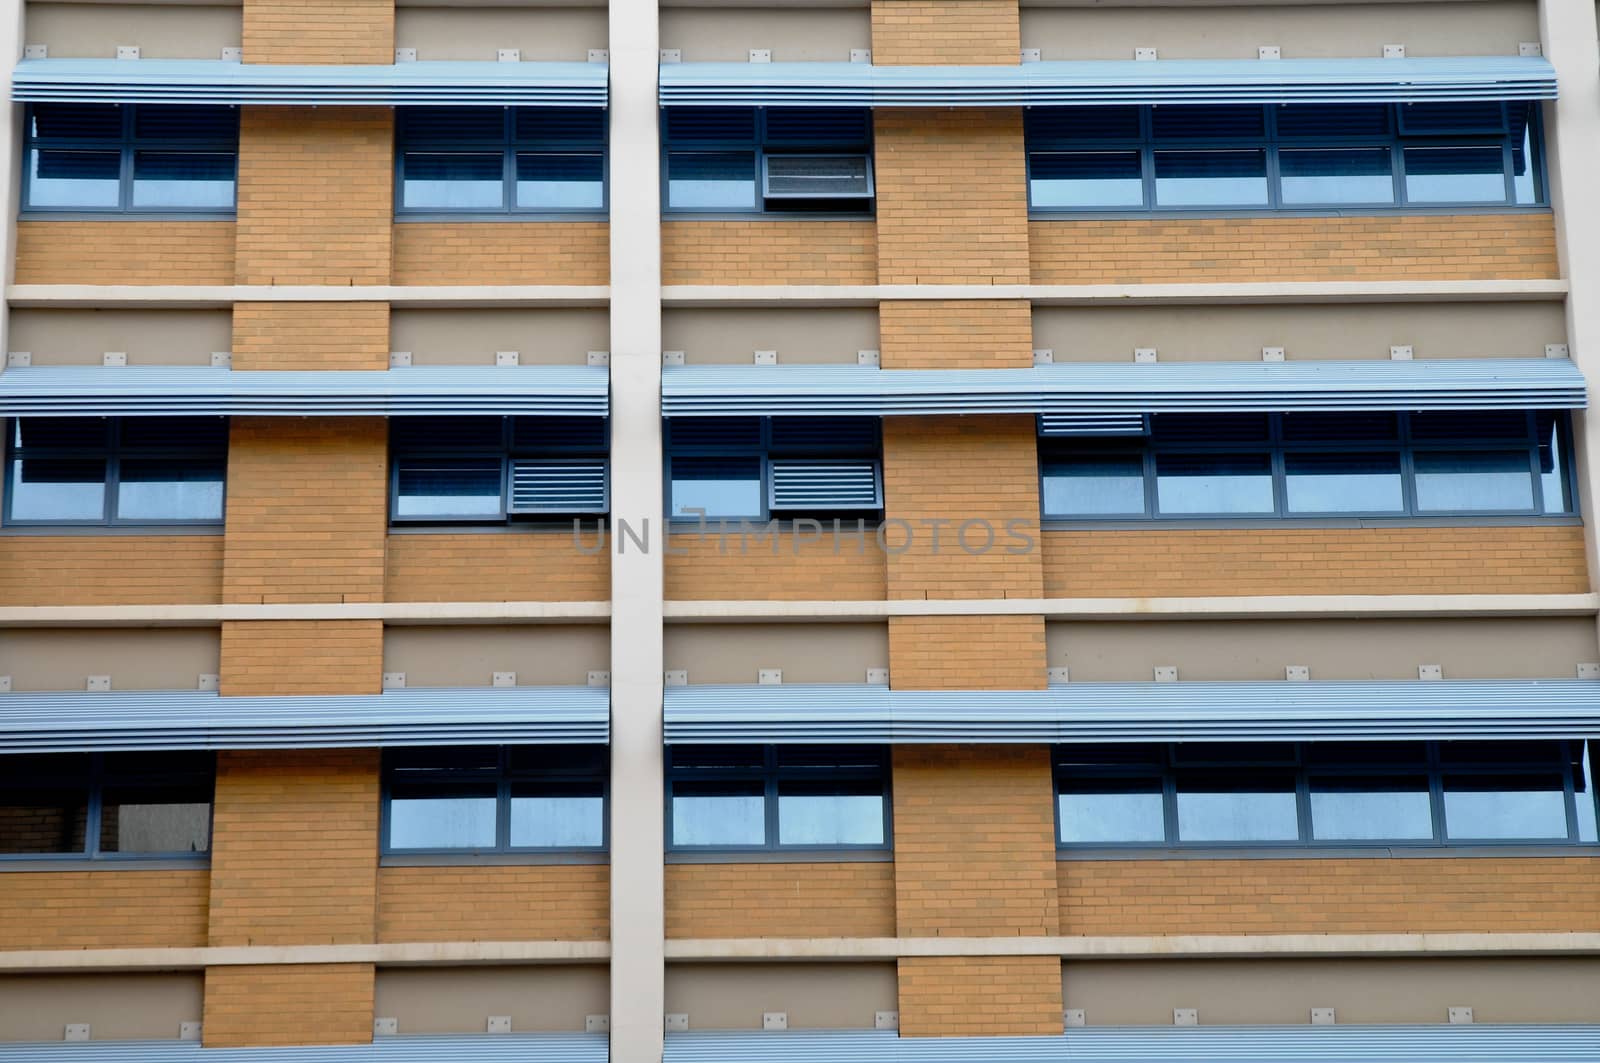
x: 766, y: 215
x: 1258, y: 523
x: 476, y: 217
x: 57, y: 530
x: 1524, y: 850
x: 780, y: 856
x: 585, y: 530
x: 129, y: 215
x: 1193, y: 213
x: 83, y: 863
x: 493, y: 859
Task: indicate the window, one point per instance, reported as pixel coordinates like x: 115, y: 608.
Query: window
x: 1283, y: 157
x: 500, y: 160
x: 494, y: 799
x: 777, y: 797
x: 780, y: 159
x: 105, y: 806
x: 132, y: 158
x: 116, y: 471
x: 755, y: 468
x: 497, y: 469
x: 1338, y: 794
x: 1315, y: 465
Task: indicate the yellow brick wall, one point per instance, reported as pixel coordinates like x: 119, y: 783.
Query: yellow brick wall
x: 1197, y: 562
x: 125, y: 252
x: 559, y: 902
x: 316, y: 195
x: 311, y: 335
x: 951, y: 196
x: 769, y: 252
x: 316, y: 31
x: 535, y: 567
x: 945, y: 32
x: 290, y: 1004
x: 307, y: 509
x: 294, y: 855
x: 301, y: 657
x: 103, y: 909
x: 540, y: 252
x: 735, y: 568
x: 995, y: 996
x: 956, y: 334
x: 113, y: 570
x: 1374, y: 247
x: 1371, y: 896
x: 967, y: 652
x: 780, y: 900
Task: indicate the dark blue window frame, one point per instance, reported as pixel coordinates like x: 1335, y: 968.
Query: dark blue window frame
x: 759, y: 133
x: 510, y: 133
x: 763, y: 439
x: 1515, y: 129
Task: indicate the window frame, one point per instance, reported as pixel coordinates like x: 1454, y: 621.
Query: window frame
x: 760, y: 148
x: 763, y: 450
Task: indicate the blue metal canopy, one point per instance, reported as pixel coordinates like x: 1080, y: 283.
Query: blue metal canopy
x: 480, y: 1048
x: 222, y: 82
x: 1127, y: 387
x: 186, y: 719
x: 1136, y: 712
x: 1101, y: 81
x: 132, y: 391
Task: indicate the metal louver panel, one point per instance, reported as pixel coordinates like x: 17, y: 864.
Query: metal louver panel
x: 1093, y: 424
x: 553, y: 485
x: 431, y: 83
x: 188, y: 719
x: 480, y: 1048
x: 819, y: 484
x: 1217, y: 81
x: 816, y: 176
x: 1136, y: 712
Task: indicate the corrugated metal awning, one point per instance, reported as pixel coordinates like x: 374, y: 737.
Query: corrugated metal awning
x: 1137, y: 712
x: 479, y: 1048
x: 132, y: 391
x: 220, y: 82
x: 1127, y: 387
x: 187, y: 719
x: 1103, y: 81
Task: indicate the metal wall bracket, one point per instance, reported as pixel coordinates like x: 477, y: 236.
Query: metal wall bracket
x: 675, y: 677
x: 35, y: 51
x: 405, y: 55
x: 1185, y: 1017
x: 677, y: 1021
x: 1589, y: 671
x: 599, y: 55
x: 385, y: 1027
x: 1322, y: 1017
x: 868, y: 358
x: 499, y: 1024
x: 209, y: 682
x: 1073, y: 1017
x: 508, y: 55
x: 886, y: 1020
x: 597, y: 358
x: 76, y: 1031
x: 1400, y: 352
x: 1044, y: 356
x: 394, y: 680
x: 597, y: 1024
x: 599, y: 679
x: 399, y: 359
x: 19, y: 359
x: 1269, y: 51
x: 1145, y: 55
x: 671, y: 357
x: 1460, y: 1016
x: 774, y: 1020
x: 504, y: 679
x: 1557, y: 350
x: 1297, y: 673
x: 878, y: 677
x: 127, y: 51
x: 769, y: 677
x: 507, y: 358
x: 222, y: 359
x: 1030, y: 55
x: 233, y: 55
x: 766, y: 357
x: 1272, y: 354
x: 1430, y: 671
x: 190, y: 1031
x: 1166, y: 673
x: 1144, y: 355
x: 1058, y: 675
x: 98, y: 684
x: 761, y: 55
x: 861, y: 55
x: 1394, y: 51
x: 114, y: 358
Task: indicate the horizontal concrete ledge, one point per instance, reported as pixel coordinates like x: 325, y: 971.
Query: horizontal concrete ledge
x: 402, y: 954
x: 180, y: 296
x: 1121, y: 294
x: 389, y: 612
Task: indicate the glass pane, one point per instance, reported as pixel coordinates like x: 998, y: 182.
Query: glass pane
x: 1455, y: 175
x: 1214, y: 483
x: 156, y: 819
x: 58, y: 489
x: 718, y: 813
x: 1378, y: 807
x: 420, y: 762
x: 170, y: 489
x: 561, y: 182
x: 1473, y: 480
x: 439, y: 487
x: 557, y: 816
x: 1086, y: 180
x: 1094, y: 485
x: 43, y: 820
x: 1336, y: 175
x: 1553, y: 450
x: 1505, y: 806
x: 825, y: 812
x: 723, y: 487
x: 1343, y: 483
x: 86, y: 432
x: 1225, y: 810
x: 1524, y: 170
x: 1211, y: 178
x: 439, y: 181
x: 1110, y: 810
x: 714, y: 180
x: 84, y: 121
x: 420, y: 819
x: 1583, y: 787
x: 74, y: 179
x: 183, y: 179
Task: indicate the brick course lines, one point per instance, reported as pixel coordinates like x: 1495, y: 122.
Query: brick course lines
x: 307, y: 509
x: 1358, y: 896
x: 540, y: 252
x: 946, y: 32
x: 769, y: 252
x: 1000, y: 996
x: 113, y: 570
x: 780, y: 900
x: 301, y: 657
x: 295, y: 848
x: 103, y: 909
x: 513, y: 567
x: 125, y: 252
x: 1377, y: 247
x: 956, y: 334
x: 315, y: 31
x: 557, y: 902
x: 289, y: 1004
x: 735, y: 568
x: 967, y: 652
x: 951, y: 196
x: 311, y: 335
x: 1198, y: 562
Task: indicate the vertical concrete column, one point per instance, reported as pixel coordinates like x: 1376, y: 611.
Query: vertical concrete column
x: 11, y: 43
x: 637, y: 834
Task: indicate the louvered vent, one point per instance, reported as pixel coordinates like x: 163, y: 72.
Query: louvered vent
x: 554, y: 486
x: 800, y: 483
x: 816, y: 177
x: 176, y: 122
x: 1048, y: 125
x: 834, y: 127
x: 559, y: 433
x: 1093, y: 424
x: 715, y: 431
x: 97, y: 120
x: 426, y: 126
x: 560, y: 125
x: 853, y: 435
x: 711, y: 123
x: 1460, y: 116
x: 1209, y: 122
x: 1333, y: 119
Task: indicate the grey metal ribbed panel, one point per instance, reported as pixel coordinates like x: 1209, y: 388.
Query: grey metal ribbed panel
x: 1136, y: 712
x: 1167, y: 81
x: 188, y: 719
x: 133, y: 391
x: 483, y: 1048
x: 1102, y: 388
x: 214, y: 81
